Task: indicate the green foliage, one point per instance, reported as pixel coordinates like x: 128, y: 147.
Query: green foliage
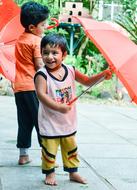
x: 89, y: 68
x: 115, y: 1
x: 105, y: 86
x: 130, y: 25
x: 86, y: 3
x: 20, y: 2
x: 129, y: 7
x: 98, y: 63
x: 128, y: 19
x: 81, y: 53
x: 82, y: 64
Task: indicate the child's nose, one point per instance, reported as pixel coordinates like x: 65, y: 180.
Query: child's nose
x: 50, y: 56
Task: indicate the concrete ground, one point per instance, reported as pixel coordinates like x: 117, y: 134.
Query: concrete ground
x: 107, y: 141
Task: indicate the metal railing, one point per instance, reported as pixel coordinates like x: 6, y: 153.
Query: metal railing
x: 108, y: 11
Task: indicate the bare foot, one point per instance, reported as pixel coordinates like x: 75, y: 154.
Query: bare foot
x: 74, y: 176
x: 50, y: 179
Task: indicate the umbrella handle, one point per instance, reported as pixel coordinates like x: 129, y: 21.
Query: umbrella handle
x: 95, y: 83
x: 71, y: 102
x: 53, y: 26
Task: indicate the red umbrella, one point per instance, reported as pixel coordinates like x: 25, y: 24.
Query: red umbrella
x: 11, y: 31
x: 8, y: 36
x: 8, y: 9
x: 118, y: 50
x: 7, y: 61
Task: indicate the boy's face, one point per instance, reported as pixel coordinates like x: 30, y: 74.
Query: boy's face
x: 52, y: 56
x: 39, y: 29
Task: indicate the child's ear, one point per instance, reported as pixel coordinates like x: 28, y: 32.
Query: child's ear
x: 64, y: 55
x: 31, y: 27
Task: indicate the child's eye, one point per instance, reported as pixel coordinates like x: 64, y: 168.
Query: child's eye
x: 55, y: 53
x: 45, y: 53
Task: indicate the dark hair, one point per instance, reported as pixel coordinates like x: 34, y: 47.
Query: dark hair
x: 55, y: 40
x: 33, y: 13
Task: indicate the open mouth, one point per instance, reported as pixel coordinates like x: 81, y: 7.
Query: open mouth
x: 51, y: 62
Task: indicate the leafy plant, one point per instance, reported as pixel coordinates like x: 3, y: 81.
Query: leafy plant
x: 128, y: 20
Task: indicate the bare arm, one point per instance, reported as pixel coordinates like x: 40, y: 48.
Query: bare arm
x: 41, y: 88
x: 38, y: 63
x: 85, y: 80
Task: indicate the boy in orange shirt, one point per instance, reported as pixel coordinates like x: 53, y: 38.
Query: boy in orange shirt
x: 28, y: 60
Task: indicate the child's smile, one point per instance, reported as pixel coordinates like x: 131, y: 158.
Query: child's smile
x: 52, y: 56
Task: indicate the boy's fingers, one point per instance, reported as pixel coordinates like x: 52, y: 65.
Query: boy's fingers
x: 108, y: 74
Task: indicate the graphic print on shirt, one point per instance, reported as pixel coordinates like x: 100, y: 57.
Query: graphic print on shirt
x: 64, y: 95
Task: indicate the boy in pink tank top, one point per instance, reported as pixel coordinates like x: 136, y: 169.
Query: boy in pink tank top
x: 55, y: 87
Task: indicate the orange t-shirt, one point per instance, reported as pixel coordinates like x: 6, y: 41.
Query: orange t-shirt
x: 27, y: 48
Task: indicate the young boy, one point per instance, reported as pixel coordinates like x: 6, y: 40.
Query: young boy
x: 28, y: 60
x: 55, y: 87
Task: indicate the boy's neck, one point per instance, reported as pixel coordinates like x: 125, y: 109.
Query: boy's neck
x: 55, y: 69
x: 28, y: 31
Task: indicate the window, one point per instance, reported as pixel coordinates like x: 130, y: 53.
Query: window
x: 74, y: 6
x: 69, y: 19
x: 79, y: 13
x: 70, y: 13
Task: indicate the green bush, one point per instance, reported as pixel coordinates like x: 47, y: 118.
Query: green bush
x: 96, y: 91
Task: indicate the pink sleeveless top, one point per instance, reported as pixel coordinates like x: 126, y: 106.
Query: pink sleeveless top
x: 53, y: 123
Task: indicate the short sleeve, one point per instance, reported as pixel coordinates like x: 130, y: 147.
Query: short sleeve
x: 40, y: 73
x: 37, y: 53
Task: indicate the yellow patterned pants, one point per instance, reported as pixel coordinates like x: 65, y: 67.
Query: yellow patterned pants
x: 68, y: 151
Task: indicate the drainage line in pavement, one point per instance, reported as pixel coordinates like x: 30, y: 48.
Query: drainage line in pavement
x: 104, y: 180
x: 0, y: 184
x: 125, y: 115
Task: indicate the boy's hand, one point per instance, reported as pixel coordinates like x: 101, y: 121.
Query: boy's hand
x: 64, y: 108
x: 107, y: 74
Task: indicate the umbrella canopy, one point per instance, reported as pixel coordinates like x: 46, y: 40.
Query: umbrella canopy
x: 8, y: 9
x: 10, y: 29
x: 7, y: 61
x: 118, y: 50
x: 8, y: 36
